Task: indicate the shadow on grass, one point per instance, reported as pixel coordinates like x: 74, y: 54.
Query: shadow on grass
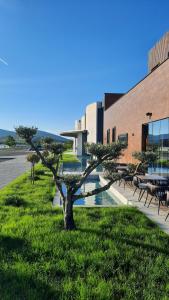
x: 126, y: 240
x: 11, y: 244
x: 18, y: 283
x: 15, y: 285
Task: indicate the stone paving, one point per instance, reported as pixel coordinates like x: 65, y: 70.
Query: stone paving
x: 151, y: 212
x: 12, y: 168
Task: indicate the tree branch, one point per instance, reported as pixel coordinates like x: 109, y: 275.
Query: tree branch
x: 57, y: 166
x: 43, y: 159
x: 58, y: 184
x: 85, y: 175
x: 108, y: 156
x: 89, y: 167
x: 94, y: 192
x: 38, y: 152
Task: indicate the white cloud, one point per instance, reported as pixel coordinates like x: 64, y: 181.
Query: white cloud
x: 3, y: 61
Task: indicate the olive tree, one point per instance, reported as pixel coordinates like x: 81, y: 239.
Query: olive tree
x: 100, y: 154
x: 33, y: 158
x: 144, y: 159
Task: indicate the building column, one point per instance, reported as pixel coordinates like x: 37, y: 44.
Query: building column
x: 74, y: 145
x: 79, y: 146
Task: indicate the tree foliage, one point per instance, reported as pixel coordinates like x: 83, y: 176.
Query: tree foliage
x: 107, y: 154
x: 68, y: 145
x: 26, y: 133
x: 10, y: 141
x: 145, y: 159
x: 33, y: 158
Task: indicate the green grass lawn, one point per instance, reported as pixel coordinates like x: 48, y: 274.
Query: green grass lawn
x: 69, y: 157
x: 115, y: 253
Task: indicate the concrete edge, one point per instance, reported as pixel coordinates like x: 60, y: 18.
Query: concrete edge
x: 118, y: 196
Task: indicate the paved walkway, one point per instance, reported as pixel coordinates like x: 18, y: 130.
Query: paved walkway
x: 151, y: 212
x: 12, y: 168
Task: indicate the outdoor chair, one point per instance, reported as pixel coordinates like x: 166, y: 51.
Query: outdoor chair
x: 167, y: 204
x: 158, y: 193
x: 139, y: 185
x: 127, y: 176
x: 128, y: 179
x: 164, y: 183
x: 122, y: 173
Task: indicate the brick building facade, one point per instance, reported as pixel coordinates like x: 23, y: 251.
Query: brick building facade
x: 133, y: 115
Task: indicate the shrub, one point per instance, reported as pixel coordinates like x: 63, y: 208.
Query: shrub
x: 36, y: 178
x: 48, y: 198
x: 163, y: 162
x: 14, y: 200
x: 39, y: 172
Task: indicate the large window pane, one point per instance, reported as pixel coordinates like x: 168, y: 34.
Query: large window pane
x: 156, y: 133
x: 150, y: 136
x: 164, y: 139
x: 158, y: 140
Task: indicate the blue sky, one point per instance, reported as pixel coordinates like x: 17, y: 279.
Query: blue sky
x: 60, y: 55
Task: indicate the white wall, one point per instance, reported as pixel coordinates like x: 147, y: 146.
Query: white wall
x: 74, y: 145
x: 78, y: 125
x: 88, y: 122
x: 83, y: 122
x: 91, y: 122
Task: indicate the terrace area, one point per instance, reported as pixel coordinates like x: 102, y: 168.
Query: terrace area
x: 127, y: 192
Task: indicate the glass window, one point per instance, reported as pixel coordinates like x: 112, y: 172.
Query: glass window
x: 150, y: 136
x: 108, y: 136
x: 123, y: 138
x: 158, y: 140
x: 113, y: 134
x: 156, y: 132
x: 164, y: 139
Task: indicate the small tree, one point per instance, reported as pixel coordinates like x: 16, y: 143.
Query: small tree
x: 68, y: 145
x: 33, y: 158
x: 47, y: 140
x: 10, y: 141
x: 145, y: 159
x: 100, y: 154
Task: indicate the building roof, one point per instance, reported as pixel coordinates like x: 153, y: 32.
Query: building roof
x: 72, y: 133
x: 110, y: 99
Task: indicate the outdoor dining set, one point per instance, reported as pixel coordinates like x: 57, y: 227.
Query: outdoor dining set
x: 153, y: 186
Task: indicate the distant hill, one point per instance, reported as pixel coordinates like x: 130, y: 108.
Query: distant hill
x: 40, y: 134
x: 158, y: 138
x: 4, y: 133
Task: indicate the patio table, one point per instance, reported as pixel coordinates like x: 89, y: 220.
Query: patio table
x: 151, y: 177
x: 122, y: 168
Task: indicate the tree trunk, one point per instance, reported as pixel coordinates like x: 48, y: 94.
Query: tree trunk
x: 33, y: 172
x: 137, y: 167
x: 68, y: 214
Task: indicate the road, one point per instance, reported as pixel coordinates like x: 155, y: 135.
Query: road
x: 12, y: 168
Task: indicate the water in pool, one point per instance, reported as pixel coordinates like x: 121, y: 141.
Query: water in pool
x: 104, y: 198
x: 78, y: 166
